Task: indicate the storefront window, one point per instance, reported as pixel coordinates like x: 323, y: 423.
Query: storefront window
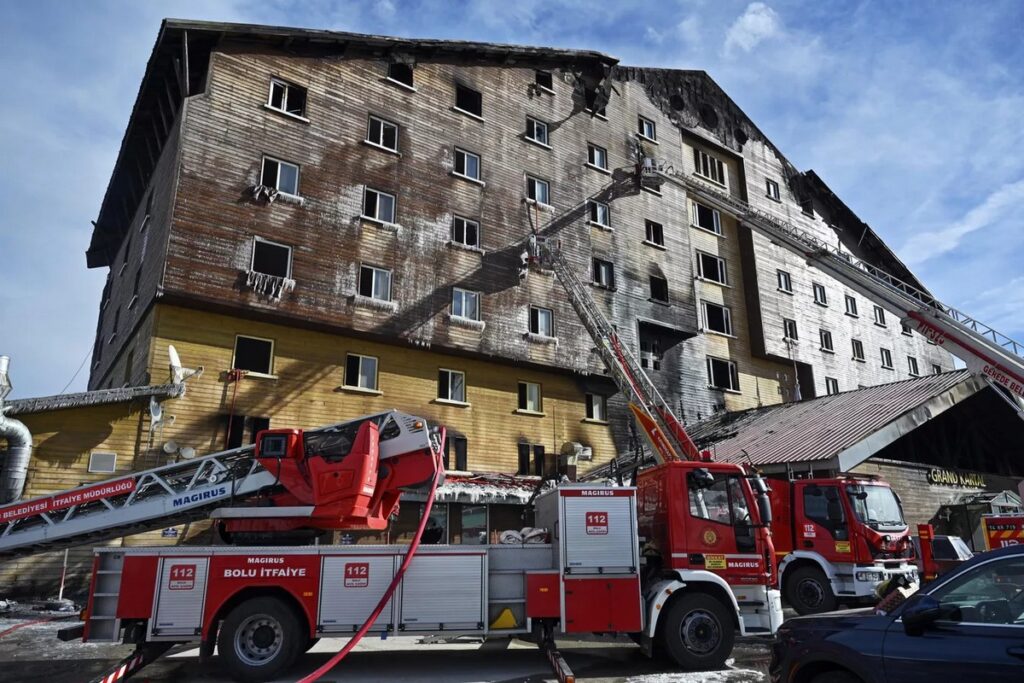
x: 474, y: 524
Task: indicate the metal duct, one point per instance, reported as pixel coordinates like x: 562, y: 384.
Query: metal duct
x: 19, y: 445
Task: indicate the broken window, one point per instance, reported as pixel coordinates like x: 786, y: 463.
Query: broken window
x: 659, y: 289
x: 361, y: 371
x: 375, y: 283
x: 542, y: 321
x: 820, y: 295
x: 382, y: 133
x: 785, y: 282
x: 461, y: 447
x: 711, y: 268
x: 287, y: 97
x: 468, y: 100
x: 597, y: 156
x: 654, y: 232
x: 807, y: 206
x: 650, y: 353
x: 858, y: 349
x: 886, y: 358
x: 708, y: 166
x: 600, y: 214
x: 831, y: 385
x: 597, y: 407
x: 524, y: 458
x: 271, y: 258
x: 826, y: 341
x: 400, y: 73
x: 604, y: 274
x: 717, y: 318
x: 880, y: 316
x: 595, y: 102
x: 537, y: 130
x: 645, y: 127
x: 912, y: 366
x: 238, y: 425
x: 280, y: 175
x: 538, y: 190
x: 530, y: 398
x: 451, y: 385
x: 254, y: 355
x: 465, y: 231
x: 465, y: 304
x: 905, y: 329
x: 722, y: 374
x: 771, y: 189
x: 789, y: 329
x: 378, y: 205
x: 705, y: 218
x: 544, y: 80
x: 851, y: 305
x: 467, y: 164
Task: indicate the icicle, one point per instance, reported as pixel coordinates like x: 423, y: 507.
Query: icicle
x: 269, y: 285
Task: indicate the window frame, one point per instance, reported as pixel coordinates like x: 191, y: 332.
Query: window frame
x: 831, y: 386
x: 523, y: 392
x: 539, y: 76
x: 537, y: 124
x: 649, y: 233
x: 789, y: 325
x: 277, y: 178
x: 593, y: 153
x: 727, y: 317
x: 254, y: 373
x: 713, y: 164
x: 600, y: 402
x: 772, y: 190
x: 450, y: 374
x: 716, y: 218
x: 851, y: 306
x: 456, y: 292
x: 913, y: 368
x: 530, y: 323
x: 288, y: 86
x: 857, y: 347
x: 91, y: 468
x: 536, y: 182
x: 733, y: 371
x: 826, y: 336
x: 723, y: 268
x: 906, y: 330
x: 384, y: 123
x: 466, y: 155
x: 375, y: 270
x: 886, y: 355
x: 594, y: 214
x: 650, y: 288
x: 479, y: 95
x: 465, y: 223
x: 642, y: 126
x: 819, y: 289
x: 411, y: 85
x: 781, y: 275
x: 262, y: 240
x: 599, y: 265
x: 879, y: 316
x: 359, y: 373
x: 377, y: 204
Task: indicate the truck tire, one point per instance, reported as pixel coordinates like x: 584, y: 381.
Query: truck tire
x: 260, y: 638
x: 809, y: 591
x: 698, y: 632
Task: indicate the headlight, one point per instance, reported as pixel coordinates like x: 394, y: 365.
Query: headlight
x: 869, y: 576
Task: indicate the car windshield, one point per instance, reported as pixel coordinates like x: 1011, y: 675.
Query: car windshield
x: 875, y: 505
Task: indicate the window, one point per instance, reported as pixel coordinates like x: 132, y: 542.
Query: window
x: 542, y: 321
x: 826, y: 341
x: 271, y: 258
x: 650, y: 354
x: 789, y: 329
x: 287, y: 97
x: 468, y: 100
x: 280, y: 175
x: 858, y: 349
x: 361, y: 371
x: 597, y: 407
x: 722, y: 374
x: 451, y: 385
x: 711, y: 268
x: 708, y: 166
x: 375, y: 283
x: 382, y: 133
x: 912, y: 366
x: 831, y: 385
x: 851, y: 305
x: 537, y: 130
x: 460, y: 445
x: 717, y: 318
x: 538, y: 190
x: 905, y: 329
x: 645, y: 127
x: 659, y: 289
x: 823, y: 505
x: 705, y: 218
x: 771, y: 189
x: 936, y: 369
x: 655, y: 233
x: 785, y: 282
x: 467, y: 164
x: 401, y: 73
x: 544, y: 80
x: 600, y: 214
x: 254, y: 355
x: 465, y: 231
x: 540, y: 463
x: 807, y: 206
x: 102, y: 462
x: 597, y: 156
x: 595, y: 102
x: 524, y: 458
x: 379, y: 206
x: 886, y: 358
x: 987, y: 595
x: 529, y: 397
x: 465, y: 304
x: 604, y: 273
x: 880, y: 316
x: 820, y: 295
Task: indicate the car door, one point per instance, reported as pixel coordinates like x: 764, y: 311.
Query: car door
x: 824, y: 526
x: 978, y: 636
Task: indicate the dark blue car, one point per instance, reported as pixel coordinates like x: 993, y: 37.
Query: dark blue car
x: 967, y: 626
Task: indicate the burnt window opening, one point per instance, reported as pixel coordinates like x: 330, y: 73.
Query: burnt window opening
x: 711, y: 268
x: 460, y: 445
x: 604, y: 273
x: 287, y: 97
x: 280, y: 175
x: 654, y: 232
x: 596, y: 102
x: 706, y: 218
x: 717, y: 318
x: 539, y: 461
x: 382, y: 133
x: 708, y: 115
x: 740, y: 135
x: 242, y: 429
x: 401, y: 73
x: 544, y: 80
x: 254, y: 355
x: 676, y: 102
x: 271, y: 258
x: 468, y: 100
x: 722, y: 374
x: 708, y: 166
x: 659, y: 289
x: 465, y: 231
x: 650, y: 353
x: 524, y: 458
x: 807, y: 206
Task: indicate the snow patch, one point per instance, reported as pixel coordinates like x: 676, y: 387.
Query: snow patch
x: 726, y: 676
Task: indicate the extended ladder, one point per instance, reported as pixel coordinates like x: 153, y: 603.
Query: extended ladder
x: 986, y: 352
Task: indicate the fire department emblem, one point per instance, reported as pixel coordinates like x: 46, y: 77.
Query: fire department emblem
x: 710, y: 537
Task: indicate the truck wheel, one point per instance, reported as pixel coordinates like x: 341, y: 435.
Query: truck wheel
x: 698, y: 632
x: 809, y: 591
x: 260, y: 638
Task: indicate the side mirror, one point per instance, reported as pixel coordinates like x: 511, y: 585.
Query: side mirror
x: 919, y: 614
x: 764, y: 508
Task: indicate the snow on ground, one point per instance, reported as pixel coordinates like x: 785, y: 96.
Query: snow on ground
x: 726, y: 676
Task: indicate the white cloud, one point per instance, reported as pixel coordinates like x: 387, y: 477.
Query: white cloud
x: 688, y: 31
x: 758, y: 23
x: 997, y: 206
x: 653, y: 36
x: 384, y: 9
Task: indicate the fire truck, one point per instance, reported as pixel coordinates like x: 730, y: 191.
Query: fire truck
x: 1002, y: 530
x: 837, y: 539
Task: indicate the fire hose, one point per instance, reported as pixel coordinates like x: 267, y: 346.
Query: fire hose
x: 350, y: 645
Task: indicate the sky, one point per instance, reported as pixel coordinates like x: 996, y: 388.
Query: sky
x: 912, y: 112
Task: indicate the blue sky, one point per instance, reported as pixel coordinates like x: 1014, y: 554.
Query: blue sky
x: 913, y: 112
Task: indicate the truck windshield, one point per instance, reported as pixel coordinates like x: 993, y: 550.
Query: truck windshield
x: 875, y: 505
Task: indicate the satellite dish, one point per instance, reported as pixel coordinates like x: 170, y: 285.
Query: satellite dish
x: 178, y: 373
x: 170, y: 447
x: 187, y: 452
x: 172, y: 353
x: 156, y: 412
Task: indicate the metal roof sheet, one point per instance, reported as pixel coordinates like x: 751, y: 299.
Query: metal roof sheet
x: 23, y: 406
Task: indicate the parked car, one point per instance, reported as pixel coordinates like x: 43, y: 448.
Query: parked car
x: 966, y: 626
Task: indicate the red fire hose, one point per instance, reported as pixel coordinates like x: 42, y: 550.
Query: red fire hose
x: 333, y: 661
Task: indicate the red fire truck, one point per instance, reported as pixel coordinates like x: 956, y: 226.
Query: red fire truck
x: 837, y: 539
x: 1003, y: 529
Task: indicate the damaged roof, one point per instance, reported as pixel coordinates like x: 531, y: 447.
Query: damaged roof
x: 23, y: 406
x: 843, y: 429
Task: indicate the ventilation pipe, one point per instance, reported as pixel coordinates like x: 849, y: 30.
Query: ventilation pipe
x: 19, y: 445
